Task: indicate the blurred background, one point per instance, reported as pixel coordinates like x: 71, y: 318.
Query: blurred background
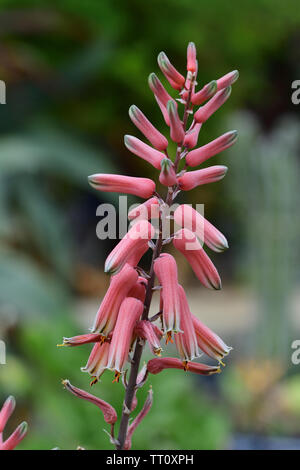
x: 72, y: 69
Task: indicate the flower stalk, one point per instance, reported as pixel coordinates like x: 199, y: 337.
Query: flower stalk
x: 122, y: 326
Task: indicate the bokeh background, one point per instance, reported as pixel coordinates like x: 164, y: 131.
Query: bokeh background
x: 72, y: 69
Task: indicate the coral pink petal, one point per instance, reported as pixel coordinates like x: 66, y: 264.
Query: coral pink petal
x: 109, y: 413
x: 193, y: 179
x: 144, y: 151
x: 186, y: 242
x: 204, y: 112
x: 142, y: 187
x: 201, y: 154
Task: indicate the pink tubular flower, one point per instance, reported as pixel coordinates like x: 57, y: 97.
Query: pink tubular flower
x: 125, y: 322
x: 212, y: 105
x: 135, y: 256
x: 135, y: 240
x: 205, y: 93
x: 201, y: 154
x: 192, y: 179
x: 176, y: 128
x: 6, y: 412
x: 167, y: 175
x: 16, y: 437
x: 165, y: 269
x: 186, y: 242
x: 146, y: 330
x: 148, y: 210
x: 228, y: 79
x: 142, y: 187
x: 138, y: 291
x: 109, y: 413
x: 209, y: 342
x: 189, y: 218
x: 186, y: 342
x: 130, y: 312
x: 145, y: 410
x: 144, y: 125
x: 144, y: 151
x: 82, y: 339
x: 191, y: 137
x: 97, y: 360
x: 175, y: 78
x: 156, y: 365
x: 191, y: 58
x: 118, y: 289
x: 161, y: 95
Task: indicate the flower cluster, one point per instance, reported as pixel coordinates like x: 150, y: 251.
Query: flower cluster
x: 122, y: 325
x: 19, y: 433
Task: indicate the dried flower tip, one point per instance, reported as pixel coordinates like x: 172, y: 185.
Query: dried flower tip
x: 145, y: 410
x: 109, y: 413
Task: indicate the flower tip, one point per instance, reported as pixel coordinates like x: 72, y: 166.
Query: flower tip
x: 223, y: 245
x: 23, y: 427
x: 151, y: 79
x: 166, y: 164
x: 132, y: 110
x: 227, y: 91
x: 92, y: 181
x: 171, y: 106
x: 12, y: 401
x: 161, y: 58
x: 127, y: 137
x: 218, y: 286
x: 235, y: 76
x: 212, y: 87
x: 233, y: 136
x: 107, y: 269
